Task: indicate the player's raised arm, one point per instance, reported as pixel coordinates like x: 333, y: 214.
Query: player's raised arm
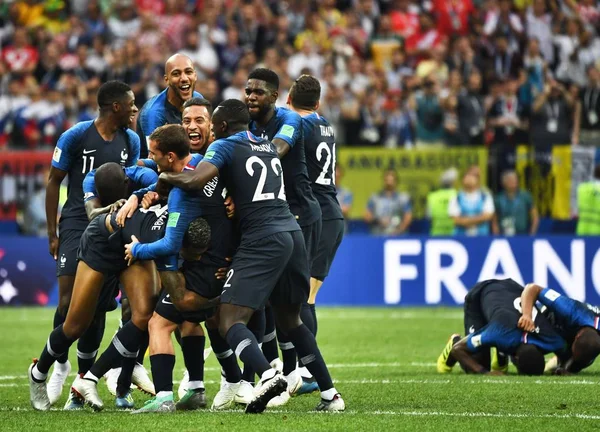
x: 528, y: 298
x: 189, y: 180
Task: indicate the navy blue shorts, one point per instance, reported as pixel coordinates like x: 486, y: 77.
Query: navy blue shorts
x: 68, y: 244
x: 200, y: 278
x: 273, y: 268
x: 166, y: 309
x: 312, y: 235
x: 331, y: 237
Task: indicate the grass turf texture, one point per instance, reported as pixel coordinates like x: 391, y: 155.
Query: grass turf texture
x: 383, y: 361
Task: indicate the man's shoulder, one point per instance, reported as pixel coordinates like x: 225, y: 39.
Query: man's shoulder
x: 155, y: 103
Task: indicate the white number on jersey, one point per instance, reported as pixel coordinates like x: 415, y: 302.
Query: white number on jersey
x: 259, y: 194
x: 156, y: 209
x: 517, y: 305
x: 85, y: 167
x: 329, y: 161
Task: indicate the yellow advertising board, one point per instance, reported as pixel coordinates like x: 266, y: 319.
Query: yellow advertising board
x: 418, y: 171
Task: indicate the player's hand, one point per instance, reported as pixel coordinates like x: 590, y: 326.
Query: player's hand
x: 526, y: 323
x: 127, y: 210
x: 53, y: 246
x: 117, y: 205
x: 162, y: 187
x: 128, y: 250
x: 221, y: 273
x: 229, y: 207
x: 150, y: 199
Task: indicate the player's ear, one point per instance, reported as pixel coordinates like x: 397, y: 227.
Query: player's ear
x: 116, y: 107
x: 318, y: 105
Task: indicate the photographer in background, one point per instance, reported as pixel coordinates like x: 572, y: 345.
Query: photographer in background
x: 430, y: 115
x: 586, y: 128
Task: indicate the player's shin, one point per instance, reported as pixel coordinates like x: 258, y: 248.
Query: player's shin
x: 245, y: 346
x: 88, y: 344
x: 269, y: 346
x: 58, y: 343
x: 225, y: 356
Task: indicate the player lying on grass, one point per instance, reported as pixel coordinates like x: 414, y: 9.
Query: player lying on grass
x: 577, y: 322
x: 270, y: 263
x: 169, y: 148
x: 100, y: 254
x: 493, y: 309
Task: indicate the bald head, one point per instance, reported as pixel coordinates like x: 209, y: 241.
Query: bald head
x: 180, y: 76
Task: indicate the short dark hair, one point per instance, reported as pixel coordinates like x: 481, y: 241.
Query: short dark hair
x: 198, y: 101
x: 266, y: 75
x: 197, y: 235
x: 112, y: 91
x: 111, y: 183
x: 529, y: 360
x: 305, y: 92
x: 585, y: 348
x: 233, y: 111
x: 172, y: 138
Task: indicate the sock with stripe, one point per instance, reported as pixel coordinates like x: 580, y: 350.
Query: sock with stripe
x: 257, y: 326
x: 224, y: 355
x: 59, y: 320
x: 288, y: 353
x: 308, y: 352
x: 124, y: 345
x: 88, y: 344
x: 269, y: 346
x: 244, y: 344
x: 58, y: 343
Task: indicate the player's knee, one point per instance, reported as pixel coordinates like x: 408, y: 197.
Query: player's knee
x: 157, y: 324
x: 288, y: 317
x: 142, y: 317
x: 74, y: 329
x: 212, y: 322
x: 191, y: 329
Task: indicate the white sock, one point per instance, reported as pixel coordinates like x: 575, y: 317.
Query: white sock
x: 60, y: 367
x: 91, y: 376
x: 36, y: 374
x: 329, y: 394
x: 164, y: 394
x: 304, y: 373
x: 193, y: 385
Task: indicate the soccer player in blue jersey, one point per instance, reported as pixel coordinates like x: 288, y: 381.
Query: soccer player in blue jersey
x: 85, y: 146
x: 494, y: 311
x: 101, y: 253
x: 319, y: 146
x: 283, y: 128
x: 271, y: 263
x: 578, y: 323
x: 166, y: 107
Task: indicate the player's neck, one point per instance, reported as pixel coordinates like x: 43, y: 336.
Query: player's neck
x: 174, y: 99
x: 267, y: 118
x: 179, y: 165
x: 106, y: 127
x: 302, y: 112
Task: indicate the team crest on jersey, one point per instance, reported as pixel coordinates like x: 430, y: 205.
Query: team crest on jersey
x: 124, y: 155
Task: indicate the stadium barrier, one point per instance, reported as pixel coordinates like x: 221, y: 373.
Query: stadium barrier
x: 378, y: 271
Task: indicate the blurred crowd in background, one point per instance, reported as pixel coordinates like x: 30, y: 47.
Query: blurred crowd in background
x: 394, y: 73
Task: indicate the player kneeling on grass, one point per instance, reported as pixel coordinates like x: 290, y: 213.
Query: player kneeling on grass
x: 577, y: 322
x: 492, y: 313
x: 101, y: 254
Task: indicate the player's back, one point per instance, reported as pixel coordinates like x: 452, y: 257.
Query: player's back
x: 253, y: 175
x: 301, y: 200
x: 211, y: 202
x: 82, y: 149
x: 319, y: 146
x: 147, y: 225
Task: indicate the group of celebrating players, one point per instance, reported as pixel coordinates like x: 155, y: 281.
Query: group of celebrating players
x: 232, y: 221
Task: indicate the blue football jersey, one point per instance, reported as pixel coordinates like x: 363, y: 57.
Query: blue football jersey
x: 80, y: 150
x: 253, y: 175
x: 287, y: 125
x: 139, y: 177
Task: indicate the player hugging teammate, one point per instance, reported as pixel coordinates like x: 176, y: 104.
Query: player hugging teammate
x: 253, y: 216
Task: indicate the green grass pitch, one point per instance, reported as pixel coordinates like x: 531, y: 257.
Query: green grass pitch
x: 383, y: 362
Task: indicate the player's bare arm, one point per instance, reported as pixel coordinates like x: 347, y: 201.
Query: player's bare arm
x: 282, y: 147
x: 55, y: 178
x: 94, y: 208
x: 461, y: 353
x: 528, y: 298
x: 189, y: 180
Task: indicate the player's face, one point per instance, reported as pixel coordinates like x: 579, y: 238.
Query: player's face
x: 218, y: 126
x: 127, y: 110
x: 181, y: 77
x: 259, y: 98
x: 196, y: 122
x: 164, y: 161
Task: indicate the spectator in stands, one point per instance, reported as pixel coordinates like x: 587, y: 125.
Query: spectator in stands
x: 471, y: 112
x: 539, y: 27
x: 472, y: 208
x: 551, y: 122
x: 398, y: 131
x: 124, y: 23
x: 373, y: 120
x: 438, y: 203
x: 429, y: 115
x: 20, y: 57
x: 344, y: 195
x: 389, y: 212
x: 516, y: 213
x: 588, y: 204
x: 33, y: 220
x: 586, y: 129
